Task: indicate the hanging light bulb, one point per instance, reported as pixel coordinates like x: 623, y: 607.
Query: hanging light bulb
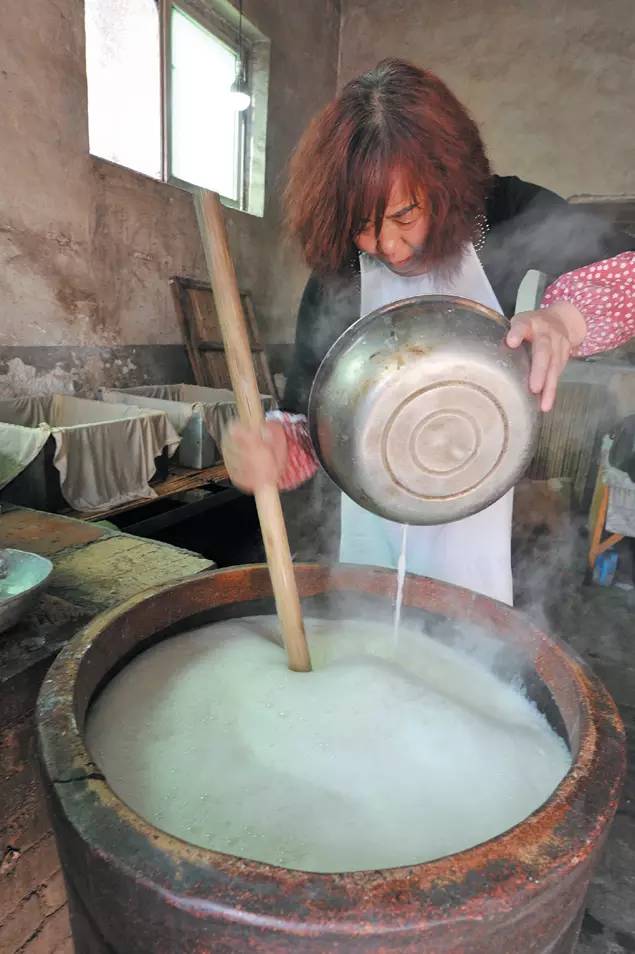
x: 239, y: 90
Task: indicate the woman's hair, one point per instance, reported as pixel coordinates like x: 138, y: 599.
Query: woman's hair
x: 397, y: 116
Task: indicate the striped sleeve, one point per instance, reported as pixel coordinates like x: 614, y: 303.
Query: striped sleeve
x: 302, y: 462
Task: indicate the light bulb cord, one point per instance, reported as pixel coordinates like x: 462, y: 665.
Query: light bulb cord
x: 241, y: 65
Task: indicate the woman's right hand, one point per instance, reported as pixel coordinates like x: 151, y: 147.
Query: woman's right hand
x: 255, y: 456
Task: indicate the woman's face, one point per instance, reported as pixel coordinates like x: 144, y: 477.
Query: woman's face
x: 404, y: 229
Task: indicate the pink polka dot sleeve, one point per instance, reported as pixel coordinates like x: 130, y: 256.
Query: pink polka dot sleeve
x: 302, y: 462
x: 605, y: 295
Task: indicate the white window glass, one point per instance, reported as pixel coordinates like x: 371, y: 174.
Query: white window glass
x: 205, y: 128
x: 124, y: 82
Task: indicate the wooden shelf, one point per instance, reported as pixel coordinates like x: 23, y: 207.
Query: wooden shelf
x: 179, y: 479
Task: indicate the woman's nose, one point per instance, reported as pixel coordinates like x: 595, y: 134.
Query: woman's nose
x: 388, y: 247
x: 387, y: 240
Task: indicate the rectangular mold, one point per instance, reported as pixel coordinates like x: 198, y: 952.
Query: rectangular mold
x: 49, y: 431
x: 197, y: 413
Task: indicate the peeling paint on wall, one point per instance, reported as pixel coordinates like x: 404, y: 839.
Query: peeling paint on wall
x: 86, y: 374
x: 87, y: 247
x: 22, y: 378
x: 46, y: 370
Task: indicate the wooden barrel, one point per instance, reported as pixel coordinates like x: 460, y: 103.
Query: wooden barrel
x: 135, y: 890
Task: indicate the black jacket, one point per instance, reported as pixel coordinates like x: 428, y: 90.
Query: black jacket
x: 528, y: 228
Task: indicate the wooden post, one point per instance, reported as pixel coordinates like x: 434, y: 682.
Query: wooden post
x: 243, y: 377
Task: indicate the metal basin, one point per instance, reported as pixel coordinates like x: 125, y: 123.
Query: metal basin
x: 421, y: 413
x: 22, y: 577
x: 135, y: 889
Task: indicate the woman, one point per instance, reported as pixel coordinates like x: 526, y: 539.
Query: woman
x: 391, y: 196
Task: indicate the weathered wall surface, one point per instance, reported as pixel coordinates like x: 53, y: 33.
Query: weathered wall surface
x: 86, y: 248
x: 549, y: 81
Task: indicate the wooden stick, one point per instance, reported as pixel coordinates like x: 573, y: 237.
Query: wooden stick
x: 241, y: 371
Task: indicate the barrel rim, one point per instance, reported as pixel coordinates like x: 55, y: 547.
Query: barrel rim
x: 529, y: 858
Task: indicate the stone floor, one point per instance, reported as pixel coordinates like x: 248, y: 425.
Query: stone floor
x: 599, y: 623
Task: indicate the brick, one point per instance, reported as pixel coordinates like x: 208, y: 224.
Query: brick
x: 26, y: 657
x: 27, y: 872
x: 17, y: 745
x: 15, y: 792
x: 18, y: 690
x: 9, y: 860
x: 66, y: 947
x: 53, y: 893
x: 44, y: 533
x: 53, y: 936
x: 30, y: 824
x: 22, y: 924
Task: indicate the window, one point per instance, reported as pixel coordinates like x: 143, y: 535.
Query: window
x: 206, y: 134
x: 123, y: 71
x: 159, y: 75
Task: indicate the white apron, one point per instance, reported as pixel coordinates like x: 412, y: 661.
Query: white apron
x: 474, y: 552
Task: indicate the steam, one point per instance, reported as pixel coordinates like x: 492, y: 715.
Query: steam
x: 549, y: 236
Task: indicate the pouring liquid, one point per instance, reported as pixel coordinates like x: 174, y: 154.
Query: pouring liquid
x: 401, y: 576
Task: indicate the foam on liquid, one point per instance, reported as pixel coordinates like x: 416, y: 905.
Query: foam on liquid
x: 383, y: 756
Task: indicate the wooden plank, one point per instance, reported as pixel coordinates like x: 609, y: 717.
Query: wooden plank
x: 196, y: 311
x: 235, y: 332
x: 214, y: 346
x: 111, y: 570
x: 199, y: 331
x: 260, y: 357
x: 207, y: 330
x: 193, y: 353
x: 206, y: 322
x: 178, y: 480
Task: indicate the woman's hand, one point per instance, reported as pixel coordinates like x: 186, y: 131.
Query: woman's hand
x: 553, y: 333
x: 255, y: 456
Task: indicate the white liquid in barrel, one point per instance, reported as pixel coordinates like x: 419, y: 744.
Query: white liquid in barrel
x: 401, y: 576
x: 382, y: 756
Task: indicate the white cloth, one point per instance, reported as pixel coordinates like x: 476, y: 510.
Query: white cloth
x: 474, y: 552
x: 105, y: 454
x: 217, y: 406
x: 163, y: 398
x: 18, y: 447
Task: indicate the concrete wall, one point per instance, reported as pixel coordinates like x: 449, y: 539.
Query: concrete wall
x: 86, y: 248
x: 549, y: 81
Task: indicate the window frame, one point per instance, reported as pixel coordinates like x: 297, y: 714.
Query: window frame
x: 221, y: 19
x: 221, y: 30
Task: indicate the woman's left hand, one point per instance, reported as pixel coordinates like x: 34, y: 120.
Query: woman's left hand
x: 553, y: 333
